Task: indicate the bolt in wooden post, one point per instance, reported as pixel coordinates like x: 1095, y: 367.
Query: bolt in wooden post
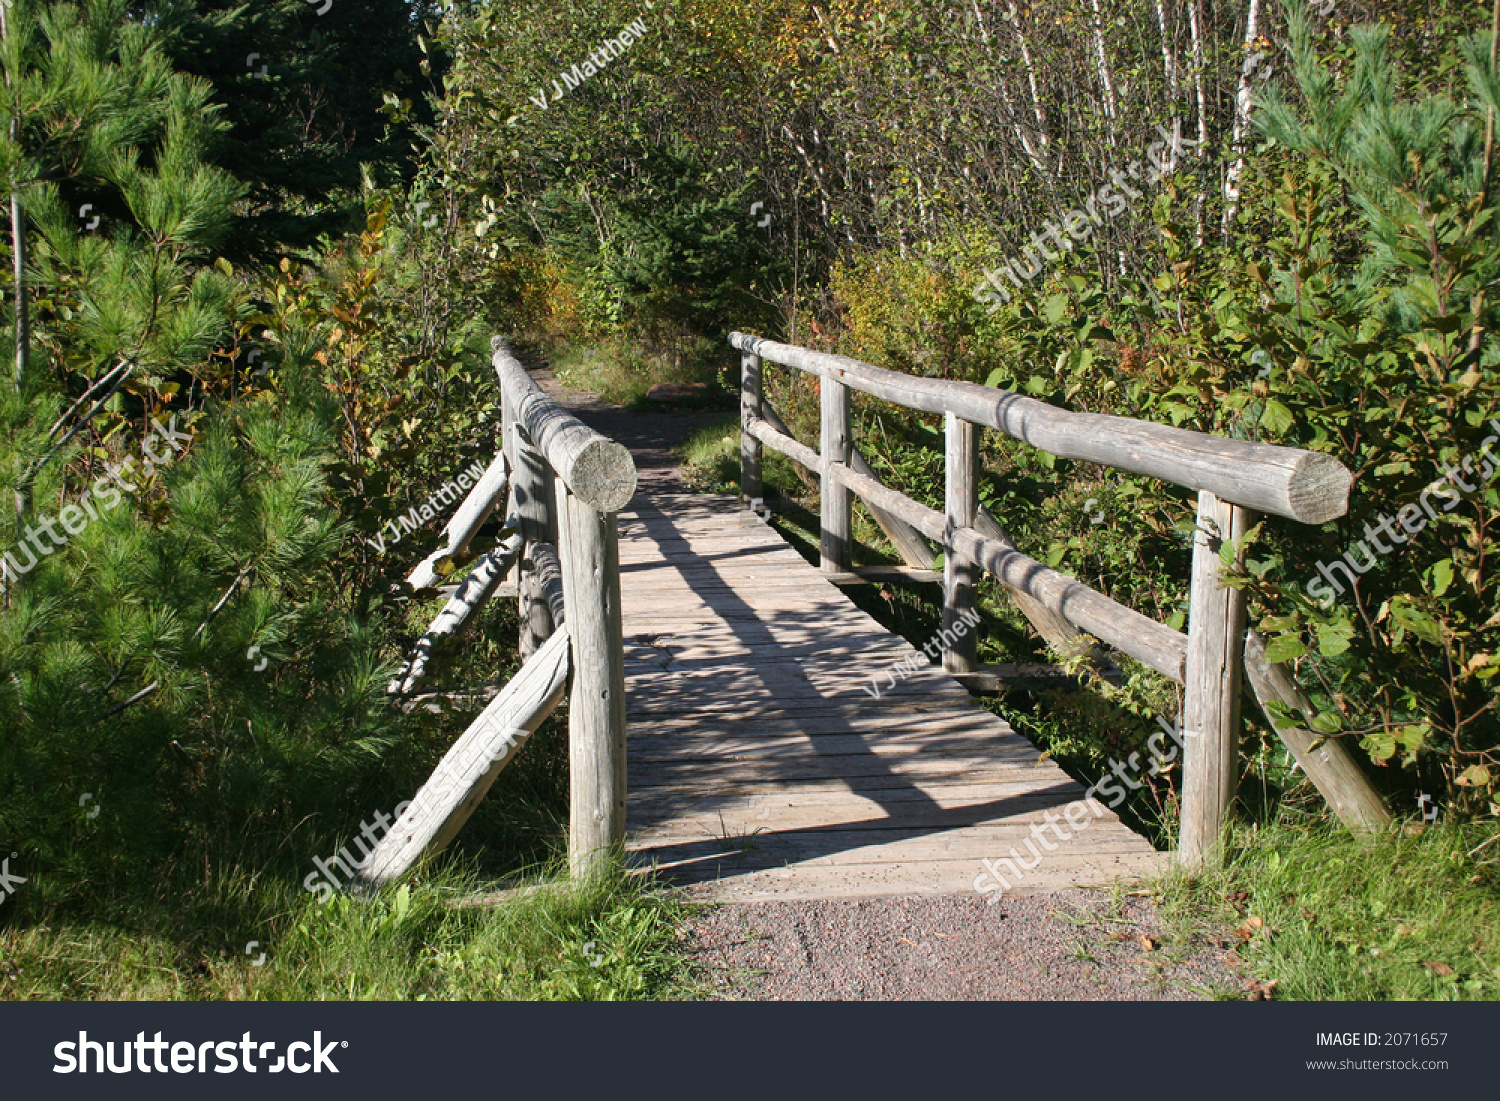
x: 837, y: 519
x: 596, y: 708
x: 960, y: 575
x: 751, y: 487
x: 1211, y: 693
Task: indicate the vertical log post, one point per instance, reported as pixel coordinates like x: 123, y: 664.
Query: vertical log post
x: 751, y: 487
x: 1211, y: 694
x: 837, y: 516
x: 960, y: 575
x: 531, y: 481
x: 596, y: 708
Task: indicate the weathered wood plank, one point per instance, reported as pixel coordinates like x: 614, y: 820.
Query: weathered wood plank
x: 836, y: 517
x: 867, y: 575
x: 751, y: 404
x: 597, y: 470
x: 467, y: 519
x: 1327, y: 762
x: 748, y: 684
x: 473, y: 592
x: 596, y: 708
x: 462, y: 778
x: 1144, y: 639
x: 960, y: 630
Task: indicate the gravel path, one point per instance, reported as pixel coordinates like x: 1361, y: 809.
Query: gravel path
x: 1067, y: 946
x: 1073, y: 945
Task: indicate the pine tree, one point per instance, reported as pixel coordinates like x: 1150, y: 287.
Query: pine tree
x: 171, y: 637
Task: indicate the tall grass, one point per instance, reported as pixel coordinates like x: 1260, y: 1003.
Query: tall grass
x: 1410, y: 914
x: 607, y: 938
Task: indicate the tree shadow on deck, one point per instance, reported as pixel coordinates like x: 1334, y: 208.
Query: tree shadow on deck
x: 789, y: 689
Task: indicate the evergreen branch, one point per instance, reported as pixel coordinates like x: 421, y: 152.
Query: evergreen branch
x: 84, y: 397
x: 36, y: 468
x: 114, y: 680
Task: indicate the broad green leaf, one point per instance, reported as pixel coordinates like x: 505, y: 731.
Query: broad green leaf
x: 1334, y: 637
x: 1284, y: 648
x: 1276, y: 417
x: 1475, y: 776
x: 1442, y: 576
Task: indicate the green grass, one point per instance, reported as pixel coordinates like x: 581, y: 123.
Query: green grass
x: 711, y: 458
x: 610, y: 938
x: 620, y: 373
x: 1403, y: 916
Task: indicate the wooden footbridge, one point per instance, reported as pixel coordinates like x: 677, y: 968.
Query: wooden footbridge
x: 777, y: 742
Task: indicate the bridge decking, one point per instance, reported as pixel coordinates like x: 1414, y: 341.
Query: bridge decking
x: 760, y: 768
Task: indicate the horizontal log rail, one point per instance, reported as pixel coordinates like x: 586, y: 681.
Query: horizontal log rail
x: 1144, y: 639
x: 596, y: 470
x: 1286, y: 481
x: 468, y: 518
x: 562, y: 483
x: 1234, y: 479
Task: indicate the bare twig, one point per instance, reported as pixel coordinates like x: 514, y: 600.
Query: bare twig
x: 137, y: 698
x: 36, y: 468
x: 223, y: 600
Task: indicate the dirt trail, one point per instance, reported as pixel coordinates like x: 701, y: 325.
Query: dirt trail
x: 1069, y: 945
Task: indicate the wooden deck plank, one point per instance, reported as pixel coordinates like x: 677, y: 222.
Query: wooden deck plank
x: 762, y: 767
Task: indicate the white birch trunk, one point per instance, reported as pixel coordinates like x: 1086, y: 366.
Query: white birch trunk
x: 1195, y: 27
x: 1242, y: 108
x: 1101, y: 64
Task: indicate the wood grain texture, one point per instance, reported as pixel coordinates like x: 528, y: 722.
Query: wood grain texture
x: 467, y: 519
x: 596, y: 707
x: 599, y: 471
x: 532, y: 492
x: 1286, y: 481
x: 1211, y: 692
x: 1144, y: 639
x: 836, y: 516
x: 462, y: 778
x: 751, y: 404
x: 785, y: 745
x: 472, y: 594
x: 960, y: 574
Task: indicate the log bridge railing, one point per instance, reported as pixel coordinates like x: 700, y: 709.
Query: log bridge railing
x: 1214, y: 661
x: 562, y: 484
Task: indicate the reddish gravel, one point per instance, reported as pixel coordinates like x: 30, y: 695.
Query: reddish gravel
x: 1074, y: 945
